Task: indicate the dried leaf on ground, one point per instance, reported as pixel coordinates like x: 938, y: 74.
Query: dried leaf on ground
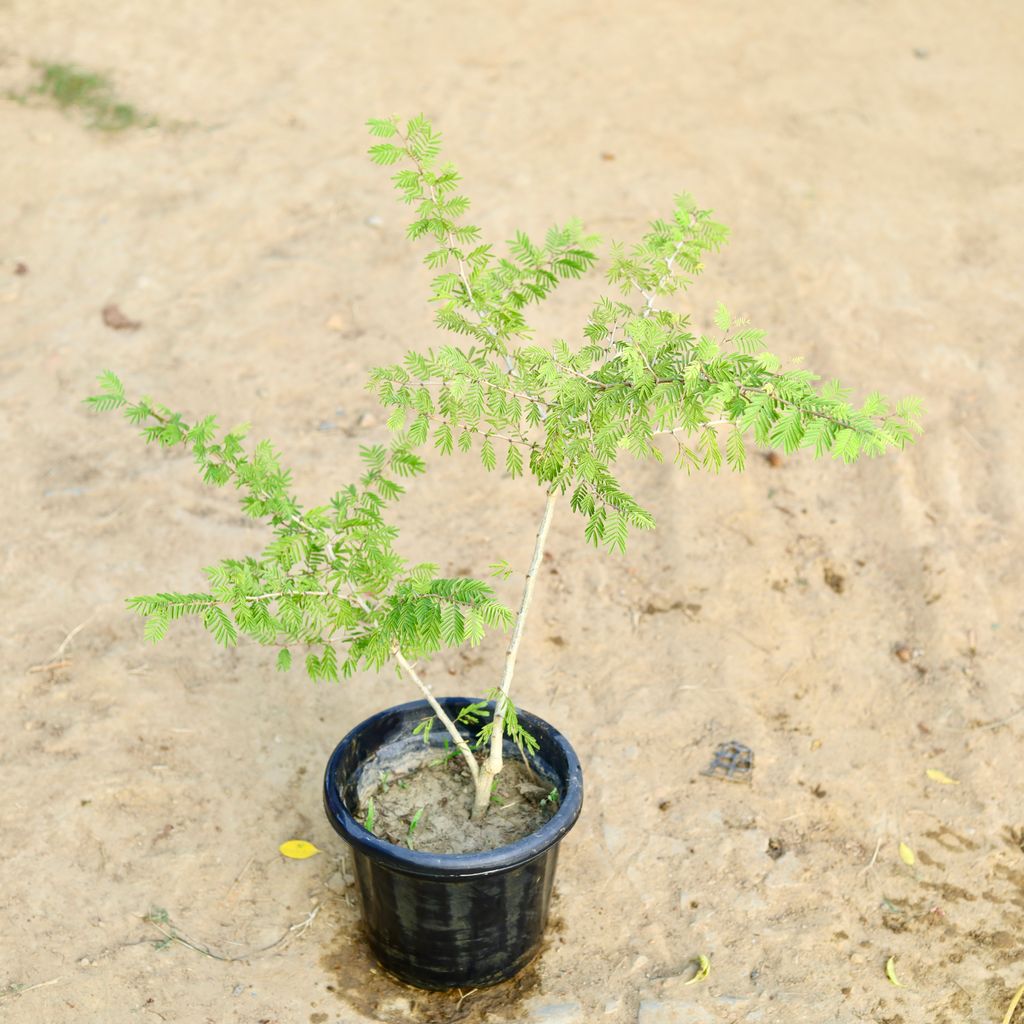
x: 703, y: 970
x: 116, y: 320
x: 890, y: 972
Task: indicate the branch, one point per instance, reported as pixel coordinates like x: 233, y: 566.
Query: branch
x: 460, y: 743
x: 494, y: 758
x: 649, y: 304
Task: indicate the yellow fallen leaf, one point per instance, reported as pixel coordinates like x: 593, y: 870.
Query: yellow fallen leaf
x: 1013, y: 1005
x: 939, y: 776
x: 906, y: 854
x: 890, y: 972
x: 298, y: 849
x: 703, y: 970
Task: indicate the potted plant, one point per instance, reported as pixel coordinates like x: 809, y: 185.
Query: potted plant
x: 332, y: 585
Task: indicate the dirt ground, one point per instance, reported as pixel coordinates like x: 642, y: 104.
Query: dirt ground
x: 854, y: 626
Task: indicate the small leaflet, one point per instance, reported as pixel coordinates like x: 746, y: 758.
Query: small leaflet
x: 907, y: 855
x: 298, y: 849
x: 703, y: 970
x: 890, y: 972
x: 941, y: 777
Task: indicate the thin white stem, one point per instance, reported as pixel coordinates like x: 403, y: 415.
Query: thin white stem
x: 649, y: 304
x: 674, y: 430
x: 494, y: 757
x: 286, y: 593
x: 487, y: 384
x: 461, y: 745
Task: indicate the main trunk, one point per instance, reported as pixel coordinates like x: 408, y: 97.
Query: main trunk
x: 482, y: 791
x: 489, y: 769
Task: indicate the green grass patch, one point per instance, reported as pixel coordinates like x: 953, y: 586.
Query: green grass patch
x: 74, y: 88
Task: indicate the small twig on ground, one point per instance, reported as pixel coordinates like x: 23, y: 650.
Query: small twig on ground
x: 50, y: 666
x: 874, y: 857
x: 464, y: 996
x: 18, y: 990
x: 982, y: 725
x: 997, y: 722
x: 238, y: 877
x: 59, y: 653
x: 57, y: 659
x: 163, y: 924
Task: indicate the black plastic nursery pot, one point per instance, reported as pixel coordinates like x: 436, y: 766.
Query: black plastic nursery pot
x: 442, y: 921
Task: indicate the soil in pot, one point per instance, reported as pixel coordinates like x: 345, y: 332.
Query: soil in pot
x: 423, y: 799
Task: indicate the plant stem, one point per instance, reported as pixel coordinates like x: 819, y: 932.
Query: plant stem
x: 461, y: 745
x: 494, y: 758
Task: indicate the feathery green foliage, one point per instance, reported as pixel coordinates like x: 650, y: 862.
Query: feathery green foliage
x: 330, y: 578
x: 562, y: 413
x: 566, y: 411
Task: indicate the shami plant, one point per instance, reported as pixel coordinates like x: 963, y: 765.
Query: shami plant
x: 331, y: 583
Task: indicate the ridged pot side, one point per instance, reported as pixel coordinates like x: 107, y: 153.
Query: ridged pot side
x: 441, y: 921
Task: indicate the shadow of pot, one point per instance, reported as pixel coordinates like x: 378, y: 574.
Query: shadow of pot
x: 442, y: 921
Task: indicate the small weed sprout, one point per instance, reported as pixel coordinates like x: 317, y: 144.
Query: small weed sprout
x: 413, y: 824
x: 551, y: 800
x: 70, y: 87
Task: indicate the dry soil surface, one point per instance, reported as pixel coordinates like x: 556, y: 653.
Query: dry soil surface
x: 854, y: 626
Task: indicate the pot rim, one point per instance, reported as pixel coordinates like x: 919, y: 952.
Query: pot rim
x: 456, y: 865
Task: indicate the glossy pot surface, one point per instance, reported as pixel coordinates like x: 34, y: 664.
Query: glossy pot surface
x: 441, y: 921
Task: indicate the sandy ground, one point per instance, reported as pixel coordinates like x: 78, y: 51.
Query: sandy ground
x: 869, y: 159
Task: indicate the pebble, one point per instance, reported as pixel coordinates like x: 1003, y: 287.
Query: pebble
x: 400, y: 1006
x: 558, y: 1013
x: 367, y: 420
x: 672, y: 1011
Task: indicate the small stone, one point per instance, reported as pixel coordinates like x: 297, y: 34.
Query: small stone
x: 373, y: 221
x: 774, y: 459
x: 903, y: 652
x: 335, y: 322
x: 115, y: 319
x: 557, y: 1013
x: 238, y: 990
x: 672, y: 1011
x: 367, y: 420
x: 399, y: 1006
